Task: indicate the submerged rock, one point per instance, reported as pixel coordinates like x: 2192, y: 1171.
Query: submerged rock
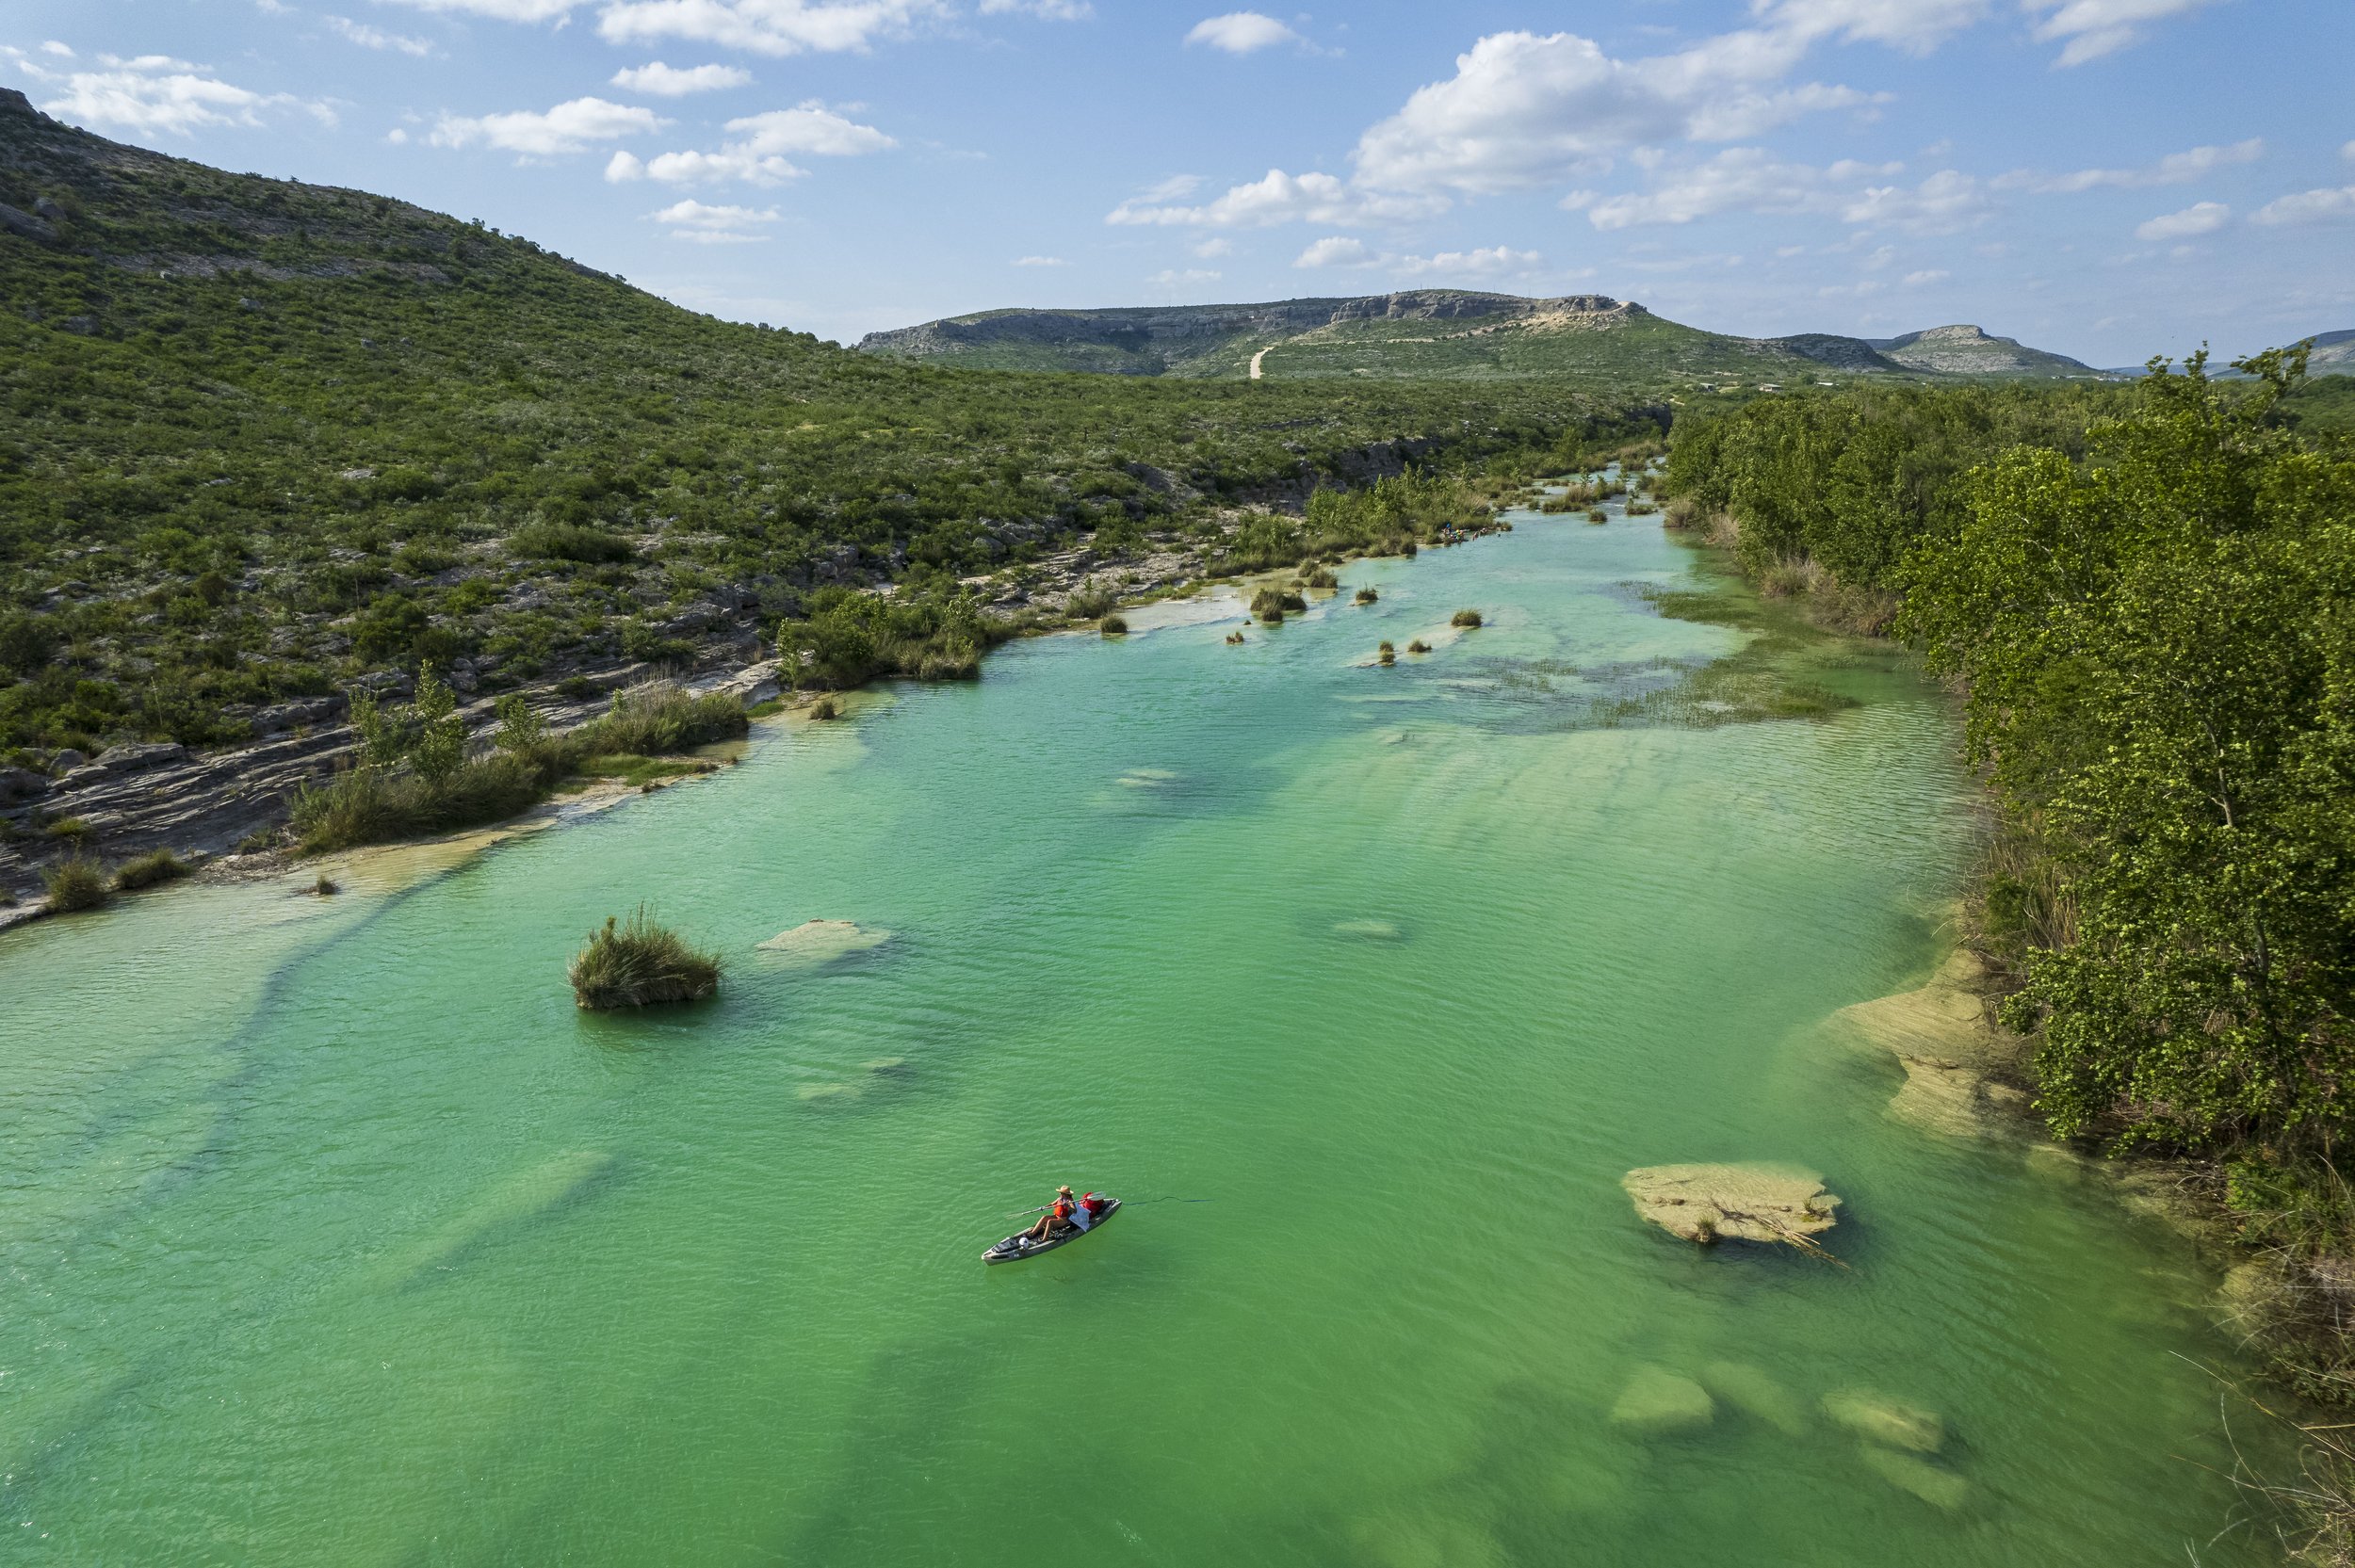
x: 816, y: 942
x: 1941, y: 1489
x: 1657, y: 1401
x: 1746, y: 1203
x: 1751, y: 1391
x: 1369, y: 931
x: 1959, y: 1101
x: 1886, y: 1420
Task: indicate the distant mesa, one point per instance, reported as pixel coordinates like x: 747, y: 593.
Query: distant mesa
x: 1445, y: 332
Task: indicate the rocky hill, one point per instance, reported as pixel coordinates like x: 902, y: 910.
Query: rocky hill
x: 1449, y: 333
x: 1962, y: 350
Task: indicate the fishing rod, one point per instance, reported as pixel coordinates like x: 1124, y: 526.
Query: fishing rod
x: 1025, y: 1213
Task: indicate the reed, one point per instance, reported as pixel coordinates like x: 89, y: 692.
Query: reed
x: 640, y: 964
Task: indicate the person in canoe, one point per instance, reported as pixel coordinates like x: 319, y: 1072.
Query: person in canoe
x: 1060, y: 1215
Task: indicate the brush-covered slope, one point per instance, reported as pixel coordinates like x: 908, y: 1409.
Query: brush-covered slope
x: 261, y: 438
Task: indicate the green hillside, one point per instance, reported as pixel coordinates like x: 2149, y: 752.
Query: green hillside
x: 1443, y: 333
x: 260, y: 440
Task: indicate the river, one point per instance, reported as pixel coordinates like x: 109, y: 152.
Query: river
x: 334, y: 1233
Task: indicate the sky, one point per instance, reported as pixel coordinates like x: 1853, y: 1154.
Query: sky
x: 2109, y: 179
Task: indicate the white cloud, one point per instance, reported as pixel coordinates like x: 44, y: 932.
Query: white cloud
x: 1241, y: 32
x: 62, y: 52
x: 1523, y: 109
x: 670, y: 81
x: 1281, y: 197
x: 1173, y: 278
x: 2174, y: 170
x: 155, y: 93
x: 1914, y: 26
x: 1040, y: 261
x: 2096, y: 27
x: 1491, y: 260
x: 756, y: 153
x: 1944, y: 203
x: 2201, y: 217
x: 691, y: 214
x: 2307, y: 206
x: 1336, y: 250
x: 500, y: 11
x: 1926, y: 276
x: 2346, y: 151
x: 763, y: 26
x: 1045, y: 10
x: 375, y: 38
x: 1747, y: 179
x: 1213, y: 248
x: 569, y: 127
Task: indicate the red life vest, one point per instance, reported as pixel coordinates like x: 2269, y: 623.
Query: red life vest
x: 1063, y: 1209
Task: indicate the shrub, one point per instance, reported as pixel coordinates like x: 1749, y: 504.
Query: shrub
x: 1367, y: 596
x: 1468, y: 618
x: 640, y: 963
x: 159, y: 865
x: 73, y: 830
x: 657, y: 718
x: 571, y: 541
x: 74, y: 885
x: 1115, y: 627
x: 1090, y: 600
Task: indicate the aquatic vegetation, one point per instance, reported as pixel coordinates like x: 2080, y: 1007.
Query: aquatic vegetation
x: 824, y: 709
x: 1319, y: 577
x: 75, y: 884
x: 1419, y: 646
x: 1596, y: 514
x: 1468, y: 618
x: 156, y: 865
x: 1113, y: 625
x: 325, y: 887
x: 640, y: 964
x: 1273, y: 604
x: 1234, y: 637
x: 1366, y: 596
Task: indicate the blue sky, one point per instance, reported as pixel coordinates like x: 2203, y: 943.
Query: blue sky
x: 2107, y: 178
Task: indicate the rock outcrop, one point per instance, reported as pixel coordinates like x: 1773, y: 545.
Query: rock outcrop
x: 1709, y: 1204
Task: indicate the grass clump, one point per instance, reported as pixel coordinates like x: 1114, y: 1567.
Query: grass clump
x: 1271, y: 604
x: 1387, y: 654
x: 1468, y: 618
x: 824, y: 709
x: 1319, y: 577
x: 639, y: 964
x: 158, y: 865
x: 1596, y: 514
x: 1233, y: 638
x: 1366, y: 596
x: 325, y: 887
x: 1419, y: 646
x: 1113, y: 625
x: 74, y: 884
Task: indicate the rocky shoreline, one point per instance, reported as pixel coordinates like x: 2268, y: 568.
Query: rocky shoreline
x: 134, y: 798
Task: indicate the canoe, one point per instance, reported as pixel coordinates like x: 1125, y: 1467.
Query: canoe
x: 1019, y: 1246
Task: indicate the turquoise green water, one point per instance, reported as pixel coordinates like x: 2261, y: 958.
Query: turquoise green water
x: 334, y: 1233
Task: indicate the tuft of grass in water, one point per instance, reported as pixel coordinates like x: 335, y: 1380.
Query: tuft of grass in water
x: 1387, y: 654
x: 1271, y: 604
x: 1596, y: 514
x: 1419, y: 646
x: 1319, y: 577
x: 1468, y: 618
x: 74, y: 884
x: 639, y: 964
x: 1366, y: 596
x: 1112, y: 626
x: 158, y: 865
x: 1234, y: 637
x: 824, y: 709
x: 637, y: 772
x: 325, y: 887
